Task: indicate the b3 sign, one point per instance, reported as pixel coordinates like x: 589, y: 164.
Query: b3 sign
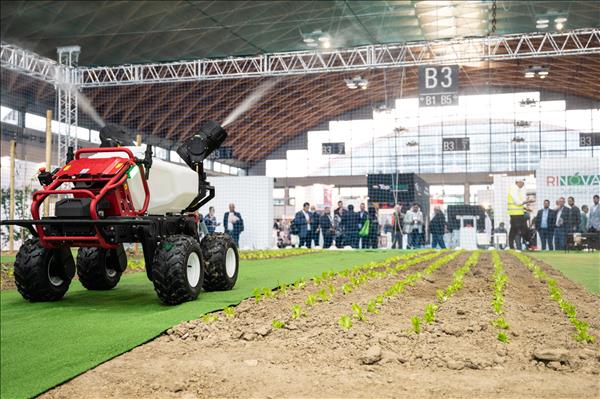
x: 438, y: 85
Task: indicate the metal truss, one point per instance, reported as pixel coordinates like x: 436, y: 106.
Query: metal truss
x: 468, y: 50
x: 66, y: 103
x: 30, y: 63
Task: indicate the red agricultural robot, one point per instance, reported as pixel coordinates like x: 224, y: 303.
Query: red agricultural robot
x: 118, y: 194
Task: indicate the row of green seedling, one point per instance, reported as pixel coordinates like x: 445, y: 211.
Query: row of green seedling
x: 274, y: 253
x: 356, y: 277
x: 568, y: 308
x: 500, y: 280
x: 374, y: 304
x: 443, y: 295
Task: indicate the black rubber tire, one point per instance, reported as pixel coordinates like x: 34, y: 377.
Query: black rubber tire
x: 42, y: 275
x: 98, y: 268
x: 169, y: 270
x: 214, y: 250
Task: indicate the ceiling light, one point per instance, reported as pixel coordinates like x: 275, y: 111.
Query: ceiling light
x: 541, y: 26
x: 541, y: 71
x: 308, y: 39
x: 543, y: 21
x: 560, y: 20
x: 559, y: 25
x: 324, y: 38
x: 357, y: 82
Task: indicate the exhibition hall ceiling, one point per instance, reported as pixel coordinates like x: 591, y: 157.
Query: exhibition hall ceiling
x: 128, y: 32
x: 118, y: 32
x: 298, y: 103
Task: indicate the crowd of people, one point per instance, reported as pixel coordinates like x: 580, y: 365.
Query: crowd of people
x: 347, y: 227
x: 553, y: 225
x: 343, y: 227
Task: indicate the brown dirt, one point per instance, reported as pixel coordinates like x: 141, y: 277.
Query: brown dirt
x: 7, y: 279
x: 457, y: 356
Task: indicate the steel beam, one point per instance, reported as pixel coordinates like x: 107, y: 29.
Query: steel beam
x: 31, y: 64
x: 467, y: 50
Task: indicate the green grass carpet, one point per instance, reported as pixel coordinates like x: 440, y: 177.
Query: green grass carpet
x: 44, y: 344
x: 582, y: 267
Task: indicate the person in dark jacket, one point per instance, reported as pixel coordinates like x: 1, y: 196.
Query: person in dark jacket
x: 233, y: 224
x: 397, y: 222
x: 574, y: 216
x: 562, y: 221
x: 437, y: 227
x: 373, y: 238
x: 210, y: 220
x: 326, y: 224
x: 545, y: 223
x: 350, y: 226
x: 314, y: 226
x: 303, y: 223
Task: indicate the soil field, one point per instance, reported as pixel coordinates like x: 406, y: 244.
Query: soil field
x: 243, y: 354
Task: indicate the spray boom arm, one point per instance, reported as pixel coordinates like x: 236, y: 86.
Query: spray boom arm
x: 194, y: 151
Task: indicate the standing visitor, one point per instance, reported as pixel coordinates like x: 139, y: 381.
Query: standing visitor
x: 233, y: 224
x: 583, y: 219
x: 338, y: 225
x: 517, y: 200
x: 413, y: 226
x: 545, y: 222
x: 397, y: 222
x: 314, y: 226
x: 574, y: 216
x: 210, y: 220
x: 303, y: 223
x: 327, y: 229
x: 437, y: 227
x: 362, y: 216
x: 373, y: 238
x: 560, y: 231
x: 594, y: 217
x: 350, y: 226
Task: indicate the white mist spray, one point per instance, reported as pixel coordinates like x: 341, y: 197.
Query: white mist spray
x: 249, y: 101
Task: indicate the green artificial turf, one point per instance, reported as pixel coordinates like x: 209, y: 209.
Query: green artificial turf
x: 44, y: 344
x: 582, y: 267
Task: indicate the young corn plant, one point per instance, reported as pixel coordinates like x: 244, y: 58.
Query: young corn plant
x: 257, y: 294
x: 229, y: 311
x: 429, y: 314
x: 416, y: 324
x: 581, y: 327
x: 345, y: 322
x: 323, y: 296
x: 358, y: 312
x: 277, y: 324
x: 310, y: 300
x: 372, y: 307
x: 502, y: 337
x: 209, y: 318
x: 297, y: 312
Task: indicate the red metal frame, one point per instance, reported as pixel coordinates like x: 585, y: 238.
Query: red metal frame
x: 114, y: 182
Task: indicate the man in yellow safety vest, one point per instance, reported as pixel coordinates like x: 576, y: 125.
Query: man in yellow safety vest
x: 517, y: 200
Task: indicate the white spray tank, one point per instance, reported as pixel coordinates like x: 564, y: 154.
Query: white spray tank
x: 173, y: 188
